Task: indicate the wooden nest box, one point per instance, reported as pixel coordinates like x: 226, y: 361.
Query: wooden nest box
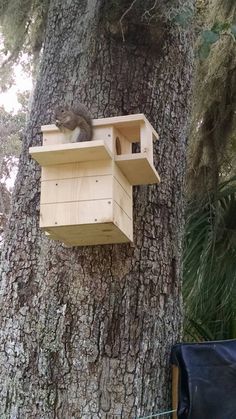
x: 86, y: 188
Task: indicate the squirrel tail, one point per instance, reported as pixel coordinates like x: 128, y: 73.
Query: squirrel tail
x: 86, y: 132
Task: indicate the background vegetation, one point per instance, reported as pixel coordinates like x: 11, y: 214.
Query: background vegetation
x: 210, y: 236
x: 11, y: 129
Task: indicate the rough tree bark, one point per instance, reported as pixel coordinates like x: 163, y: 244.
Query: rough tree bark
x: 86, y: 332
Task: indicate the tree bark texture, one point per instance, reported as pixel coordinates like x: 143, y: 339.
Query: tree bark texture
x: 86, y: 332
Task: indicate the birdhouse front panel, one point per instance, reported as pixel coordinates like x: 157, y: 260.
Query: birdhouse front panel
x: 85, y: 194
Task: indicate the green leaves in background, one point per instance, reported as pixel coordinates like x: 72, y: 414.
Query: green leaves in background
x: 211, y: 36
x: 209, y: 285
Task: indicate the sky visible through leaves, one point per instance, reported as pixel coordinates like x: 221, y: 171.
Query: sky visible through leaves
x: 23, y: 82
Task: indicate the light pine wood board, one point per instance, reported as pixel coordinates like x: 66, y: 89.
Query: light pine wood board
x: 137, y: 169
x: 77, y: 189
x: 128, y: 125
x: 72, y: 213
x: 62, y: 136
x: 76, y: 170
x: 125, y: 144
x: 120, y: 177
x: 56, y: 137
x: 109, y: 134
x: 146, y: 142
x: 102, y: 133
x: 85, y: 235
x: 71, y: 153
x: 86, y: 189
x: 122, y: 221
x: 122, y: 199
x: 85, y: 169
x: 83, y: 212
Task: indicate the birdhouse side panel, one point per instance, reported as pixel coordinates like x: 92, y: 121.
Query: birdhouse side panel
x: 122, y: 199
x: 118, y: 175
x: 123, y: 203
x: 123, y: 222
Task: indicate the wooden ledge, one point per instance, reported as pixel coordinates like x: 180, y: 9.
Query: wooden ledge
x: 137, y: 169
x: 70, y: 152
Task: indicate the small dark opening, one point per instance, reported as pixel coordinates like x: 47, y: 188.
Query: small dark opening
x: 136, y: 148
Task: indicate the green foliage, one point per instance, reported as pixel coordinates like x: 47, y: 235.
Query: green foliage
x: 211, y: 36
x: 211, y: 150
x: 11, y: 129
x: 210, y: 266
x: 22, y: 26
x: 23, y: 99
x: 18, y: 12
x: 6, y: 78
x: 219, y: 27
x: 196, y: 331
x: 208, y: 38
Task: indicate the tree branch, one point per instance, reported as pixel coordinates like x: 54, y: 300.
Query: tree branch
x: 122, y: 17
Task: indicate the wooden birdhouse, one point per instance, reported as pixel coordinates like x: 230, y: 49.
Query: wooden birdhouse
x: 86, y: 187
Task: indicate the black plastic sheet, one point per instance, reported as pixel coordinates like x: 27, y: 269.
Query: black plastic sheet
x: 207, y: 379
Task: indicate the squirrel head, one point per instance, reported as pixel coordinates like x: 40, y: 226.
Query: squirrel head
x: 65, y: 117
x: 60, y: 111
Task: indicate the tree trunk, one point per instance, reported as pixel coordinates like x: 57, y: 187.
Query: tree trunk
x: 86, y: 332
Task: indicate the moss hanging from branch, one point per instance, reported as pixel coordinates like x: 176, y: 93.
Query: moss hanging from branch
x: 22, y: 27
x: 23, y: 23
x: 213, y: 139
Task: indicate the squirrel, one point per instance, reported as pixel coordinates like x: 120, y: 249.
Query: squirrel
x: 75, y: 117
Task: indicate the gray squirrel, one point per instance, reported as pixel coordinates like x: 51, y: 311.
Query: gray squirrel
x: 75, y: 117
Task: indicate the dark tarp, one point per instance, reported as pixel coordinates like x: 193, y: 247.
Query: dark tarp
x: 207, y: 386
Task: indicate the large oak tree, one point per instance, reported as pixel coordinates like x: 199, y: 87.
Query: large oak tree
x: 86, y: 332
